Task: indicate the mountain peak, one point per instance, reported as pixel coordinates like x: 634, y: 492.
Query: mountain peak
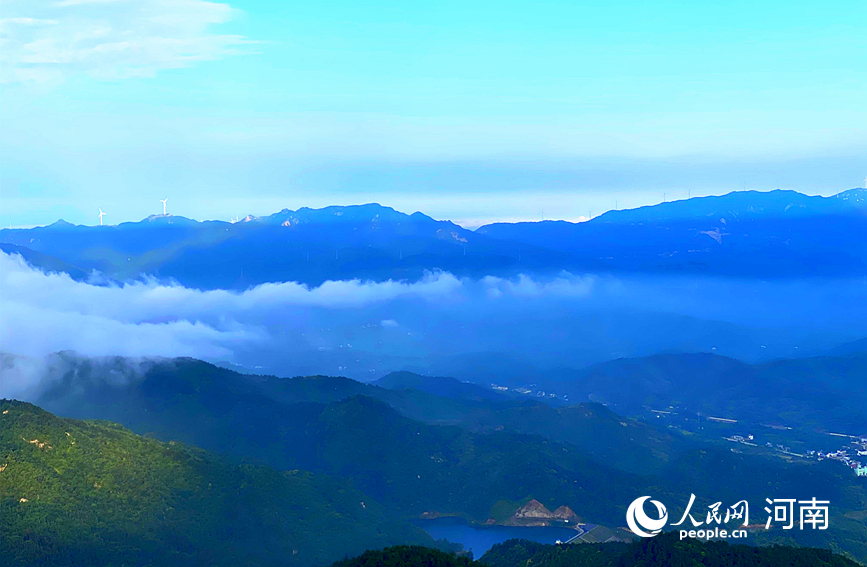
x: 368, y: 212
x: 737, y: 205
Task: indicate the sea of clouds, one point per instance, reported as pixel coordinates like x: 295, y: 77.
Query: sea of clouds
x: 364, y: 329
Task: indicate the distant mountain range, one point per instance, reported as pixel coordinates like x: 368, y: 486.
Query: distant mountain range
x: 749, y: 233
x: 825, y: 392
x: 773, y: 234
x: 438, y: 386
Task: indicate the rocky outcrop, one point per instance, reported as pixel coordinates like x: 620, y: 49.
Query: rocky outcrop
x: 534, y: 513
x: 533, y: 510
x: 566, y: 513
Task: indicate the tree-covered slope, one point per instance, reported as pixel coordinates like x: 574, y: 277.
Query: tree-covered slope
x: 414, y: 466
x: 148, y: 399
x: 478, y: 471
x: 93, y: 493
x: 408, y: 556
x: 662, y: 551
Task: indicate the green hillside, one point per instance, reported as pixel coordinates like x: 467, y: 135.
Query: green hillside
x: 93, y: 493
x: 604, y: 436
x: 408, y: 556
x: 180, y: 399
x: 495, y: 457
x: 662, y: 551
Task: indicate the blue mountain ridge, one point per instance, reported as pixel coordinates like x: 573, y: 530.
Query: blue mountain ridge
x: 745, y: 234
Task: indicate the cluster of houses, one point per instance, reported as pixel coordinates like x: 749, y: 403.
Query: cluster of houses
x: 526, y: 391
x: 848, y: 456
x: 783, y: 449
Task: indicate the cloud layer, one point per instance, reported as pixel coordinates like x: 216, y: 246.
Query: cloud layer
x: 51, y: 41
x: 364, y: 329
x: 44, y: 313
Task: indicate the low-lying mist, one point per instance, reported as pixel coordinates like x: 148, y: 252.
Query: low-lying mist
x: 438, y: 324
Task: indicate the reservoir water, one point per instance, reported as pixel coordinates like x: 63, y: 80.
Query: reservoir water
x: 480, y: 539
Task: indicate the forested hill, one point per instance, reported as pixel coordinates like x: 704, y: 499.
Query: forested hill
x: 93, y: 493
x: 408, y: 556
x: 663, y: 551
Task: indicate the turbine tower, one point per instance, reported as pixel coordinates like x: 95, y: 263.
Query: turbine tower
x: 101, y: 214
x: 163, y: 201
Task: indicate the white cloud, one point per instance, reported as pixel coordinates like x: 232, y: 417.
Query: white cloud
x: 564, y: 285
x: 44, y: 313
x: 34, y: 324
x: 289, y: 328
x: 112, y: 39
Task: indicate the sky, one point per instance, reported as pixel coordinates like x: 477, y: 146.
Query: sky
x: 469, y: 111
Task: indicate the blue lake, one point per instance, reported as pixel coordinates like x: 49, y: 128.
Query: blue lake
x: 480, y: 539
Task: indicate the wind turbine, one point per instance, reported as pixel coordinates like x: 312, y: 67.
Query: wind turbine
x: 163, y: 201
x: 101, y: 214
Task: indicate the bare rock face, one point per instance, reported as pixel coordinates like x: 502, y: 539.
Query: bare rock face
x: 534, y: 510
x: 534, y: 513
x: 566, y: 513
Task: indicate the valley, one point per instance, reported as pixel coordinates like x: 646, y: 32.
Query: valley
x: 433, y: 284
x: 462, y: 390
x: 428, y: 448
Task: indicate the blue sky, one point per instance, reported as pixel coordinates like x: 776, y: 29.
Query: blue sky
x: 472, y: 111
